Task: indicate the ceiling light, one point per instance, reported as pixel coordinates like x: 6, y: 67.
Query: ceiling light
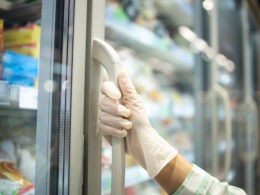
x: 187, y: 33
x: 208, y: 5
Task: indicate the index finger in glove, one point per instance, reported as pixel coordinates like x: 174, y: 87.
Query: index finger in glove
x: 109, y: 89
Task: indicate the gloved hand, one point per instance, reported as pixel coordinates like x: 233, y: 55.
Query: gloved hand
x: 129, y: 119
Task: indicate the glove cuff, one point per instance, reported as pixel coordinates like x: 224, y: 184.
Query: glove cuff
x: 157, y: 154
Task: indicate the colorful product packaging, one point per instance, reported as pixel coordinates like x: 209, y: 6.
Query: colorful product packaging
x: 12, y: 180
x: 24, y: 40
x: 1, y: 35
x: 19, y: 69
x: 1, y: 46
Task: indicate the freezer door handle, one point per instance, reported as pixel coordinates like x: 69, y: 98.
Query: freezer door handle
x: 222, y: 93
x: 248, y: 120
x: 103, y: 54
x: 219, y: 92
x: 248, y: 139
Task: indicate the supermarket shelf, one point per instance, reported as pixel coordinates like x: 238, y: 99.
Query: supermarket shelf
x: 175, y: 12
x: 133, y: 176
x: 7, y: 110
x: 22, y: 12
x: 148, y: 45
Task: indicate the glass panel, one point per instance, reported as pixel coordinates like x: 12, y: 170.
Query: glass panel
x: 20, y: 34
x: 156, y: 57
x: 35, y: 89
x: 196, y: 72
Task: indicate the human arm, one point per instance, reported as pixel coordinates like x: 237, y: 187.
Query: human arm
x: 147, y: 147
x: 173, y: 174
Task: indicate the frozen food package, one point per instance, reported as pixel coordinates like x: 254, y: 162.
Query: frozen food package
x: 29, y: 34
x: 1, y: 35
x: 11, y: 179
x: 1, y: 46
x: 24, y: 40
x: 19, y: 69
x: 27, y: 164
x: 19, y: 65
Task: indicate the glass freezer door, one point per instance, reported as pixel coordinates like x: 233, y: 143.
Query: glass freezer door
x: 41, y: 106
x: 149, y: 55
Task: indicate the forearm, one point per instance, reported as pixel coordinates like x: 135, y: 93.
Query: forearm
x: 173, y: 174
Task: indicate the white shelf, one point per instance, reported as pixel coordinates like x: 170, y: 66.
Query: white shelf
x: 17, y: 97
x: 147, y: 44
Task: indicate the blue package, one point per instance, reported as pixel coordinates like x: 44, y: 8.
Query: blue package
x: 15, y: 64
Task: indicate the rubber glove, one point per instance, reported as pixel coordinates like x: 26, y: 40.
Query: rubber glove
x: 143, y: 142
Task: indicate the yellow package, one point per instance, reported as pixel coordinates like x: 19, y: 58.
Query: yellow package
x: 1, y: 35
x: 22, y: 35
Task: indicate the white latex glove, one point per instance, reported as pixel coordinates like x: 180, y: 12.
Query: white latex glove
x: 143, y: 142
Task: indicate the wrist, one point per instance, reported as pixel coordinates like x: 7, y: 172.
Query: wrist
x: 173, y: 174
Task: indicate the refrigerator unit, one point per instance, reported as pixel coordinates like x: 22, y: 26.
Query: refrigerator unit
x: 194, y: 63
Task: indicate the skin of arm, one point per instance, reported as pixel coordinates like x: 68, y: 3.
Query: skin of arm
x: 143, y: 143
x: 173, y: 174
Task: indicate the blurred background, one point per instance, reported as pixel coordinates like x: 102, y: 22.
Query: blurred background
x: 196, y: 64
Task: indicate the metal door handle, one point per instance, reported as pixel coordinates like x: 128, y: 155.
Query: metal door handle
x: 218, y: 91
x: 222, y: 93
x: 103, y: 54
x: 252, y: 105
x: 249, y: 108
x: 248, y: 116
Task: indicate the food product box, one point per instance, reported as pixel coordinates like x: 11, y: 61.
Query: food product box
x: 19, y: 69
x: 1, y: 45
x: 1, y: 35
x: 24, y: 40
x: 22, y: 35
x: 12, y: 180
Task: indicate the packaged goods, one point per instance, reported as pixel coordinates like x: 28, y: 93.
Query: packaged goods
x: 19, y: 69
x: 1, y: 46
x: 27, y: 164
x: 1, y: 36
x: 24, y: 40
x: 22, y: 35
x: 11, y: 180
x: 17, y: 64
